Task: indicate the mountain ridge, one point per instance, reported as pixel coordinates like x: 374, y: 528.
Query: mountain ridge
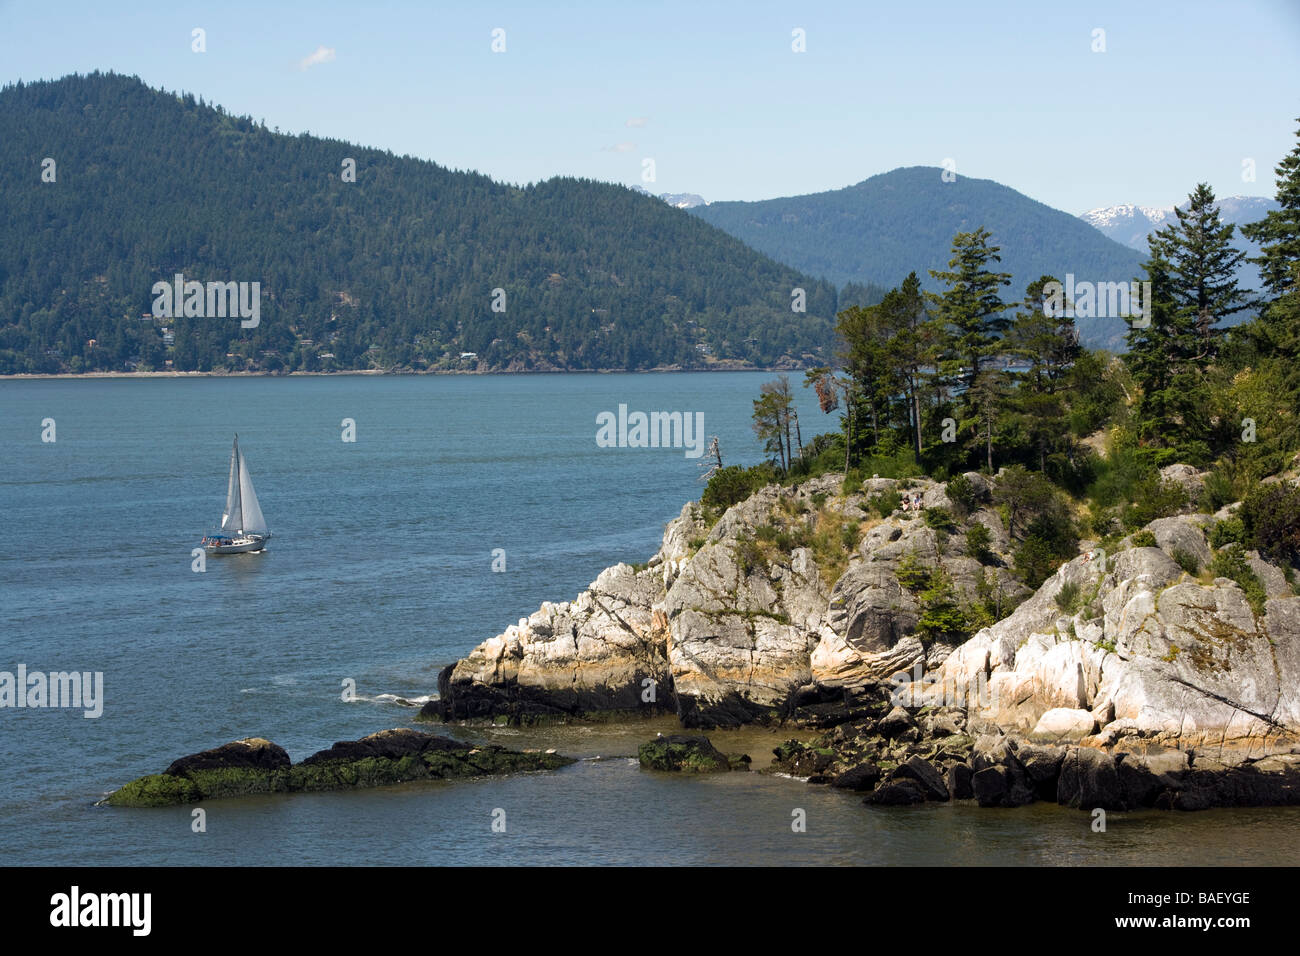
x: 405, y: 265
x: 887, y: 225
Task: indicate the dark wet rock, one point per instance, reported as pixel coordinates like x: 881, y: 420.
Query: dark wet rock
x: 1089, y: 781
x: 257, y: 766
x: 252, y: 753
x: 989, y: 787
x: 1000, y: 779
x: 680, y: 753
x: 898, y: 724
x: 523, y: 704
x: 958, y: 782
x: 1042, y: 768
x: 863, y: 776
x: 800, y: 760
x: 730, y: 711
x: 924, y: 775
x: 819, y: 706
x: 1269, y: 782
x: 896, y: 793
x: 1152, y: 779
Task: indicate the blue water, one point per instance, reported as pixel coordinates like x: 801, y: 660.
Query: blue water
x: 380, y: 571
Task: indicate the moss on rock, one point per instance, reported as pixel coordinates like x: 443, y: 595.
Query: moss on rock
x: 680, y: 753
x: 155, y: 790
x: 256, y: 766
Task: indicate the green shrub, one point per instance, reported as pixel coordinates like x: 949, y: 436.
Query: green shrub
x: 978, y: 539
x: 939, y: 519
x: 1218, y: 492
x: 1230, y: 530
x: 849, y: 535
x: 1103, y: 522
x: 1187, y: 561
x: 911, y: 573
x: 991, y: 600
x: 901, y: 464
x: 1023, y: 496
x: 1035, y: 561
x: 749, y: 555
x: 1271, y: 517
x: 963, y: 495
x: 1049, y: 541
x: 1067, y: 598
x: 1230, y: 562
x: 1143, y: 539
x: 796, y: 537
x: 1152, y: 499
x: 886, y: 502
x: 1118, y: 473
x: 941, y: 615
x: 729, y: 486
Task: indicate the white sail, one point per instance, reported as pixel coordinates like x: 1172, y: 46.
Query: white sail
x: 233, y: 519
x: 254, y: 523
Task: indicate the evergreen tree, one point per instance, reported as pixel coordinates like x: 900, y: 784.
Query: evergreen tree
x: 866, y: 334
x: 970, y: 312
x: 1278, y: 235
x: 1047, y: 340
x: 971, y: 308
x: 1202, y: 268
x: 913, y: 348
x: 1193, y: 288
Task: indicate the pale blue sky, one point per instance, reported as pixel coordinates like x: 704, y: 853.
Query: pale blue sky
x: 1010, y: 91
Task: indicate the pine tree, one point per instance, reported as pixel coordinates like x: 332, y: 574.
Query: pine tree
x: 970, y: 308
x: 1048, y: 342
x: 1202, y: 268
x: 1193, y: 284
x: 1165, y: 357
x: 1278, y: 235
x: 866, y: 334
x: 913, y: 348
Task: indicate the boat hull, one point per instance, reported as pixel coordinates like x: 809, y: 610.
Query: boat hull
x: 244, y: 544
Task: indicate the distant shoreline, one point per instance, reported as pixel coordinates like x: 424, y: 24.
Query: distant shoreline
x: 384, y: 372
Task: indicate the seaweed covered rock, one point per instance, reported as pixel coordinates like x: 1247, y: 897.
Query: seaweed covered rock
x: 255, y: 766
x: 684, y: 754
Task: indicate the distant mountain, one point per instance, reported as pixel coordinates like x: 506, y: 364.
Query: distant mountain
x: 1128, y: 223
x: 1132, y: 225
x: 676, y: 200
x: 889, y: 225
x: 410, y: 266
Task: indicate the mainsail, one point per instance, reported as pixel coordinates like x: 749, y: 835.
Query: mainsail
x: 233, y: 520
x: 254, y: 523
x: 243, y: 513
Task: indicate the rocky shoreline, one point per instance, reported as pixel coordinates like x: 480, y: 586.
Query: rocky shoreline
x: 1127, y: 680
x: 257, y: 766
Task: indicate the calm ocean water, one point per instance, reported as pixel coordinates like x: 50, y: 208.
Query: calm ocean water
x: 380, y: 571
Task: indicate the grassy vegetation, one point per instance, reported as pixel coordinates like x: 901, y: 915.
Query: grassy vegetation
x: 1230, y: 562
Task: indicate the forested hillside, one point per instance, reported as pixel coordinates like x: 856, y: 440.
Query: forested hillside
x: 395, y: 270
x: 885, y: 227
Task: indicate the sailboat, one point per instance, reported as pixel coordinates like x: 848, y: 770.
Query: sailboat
x: 243, y: 528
